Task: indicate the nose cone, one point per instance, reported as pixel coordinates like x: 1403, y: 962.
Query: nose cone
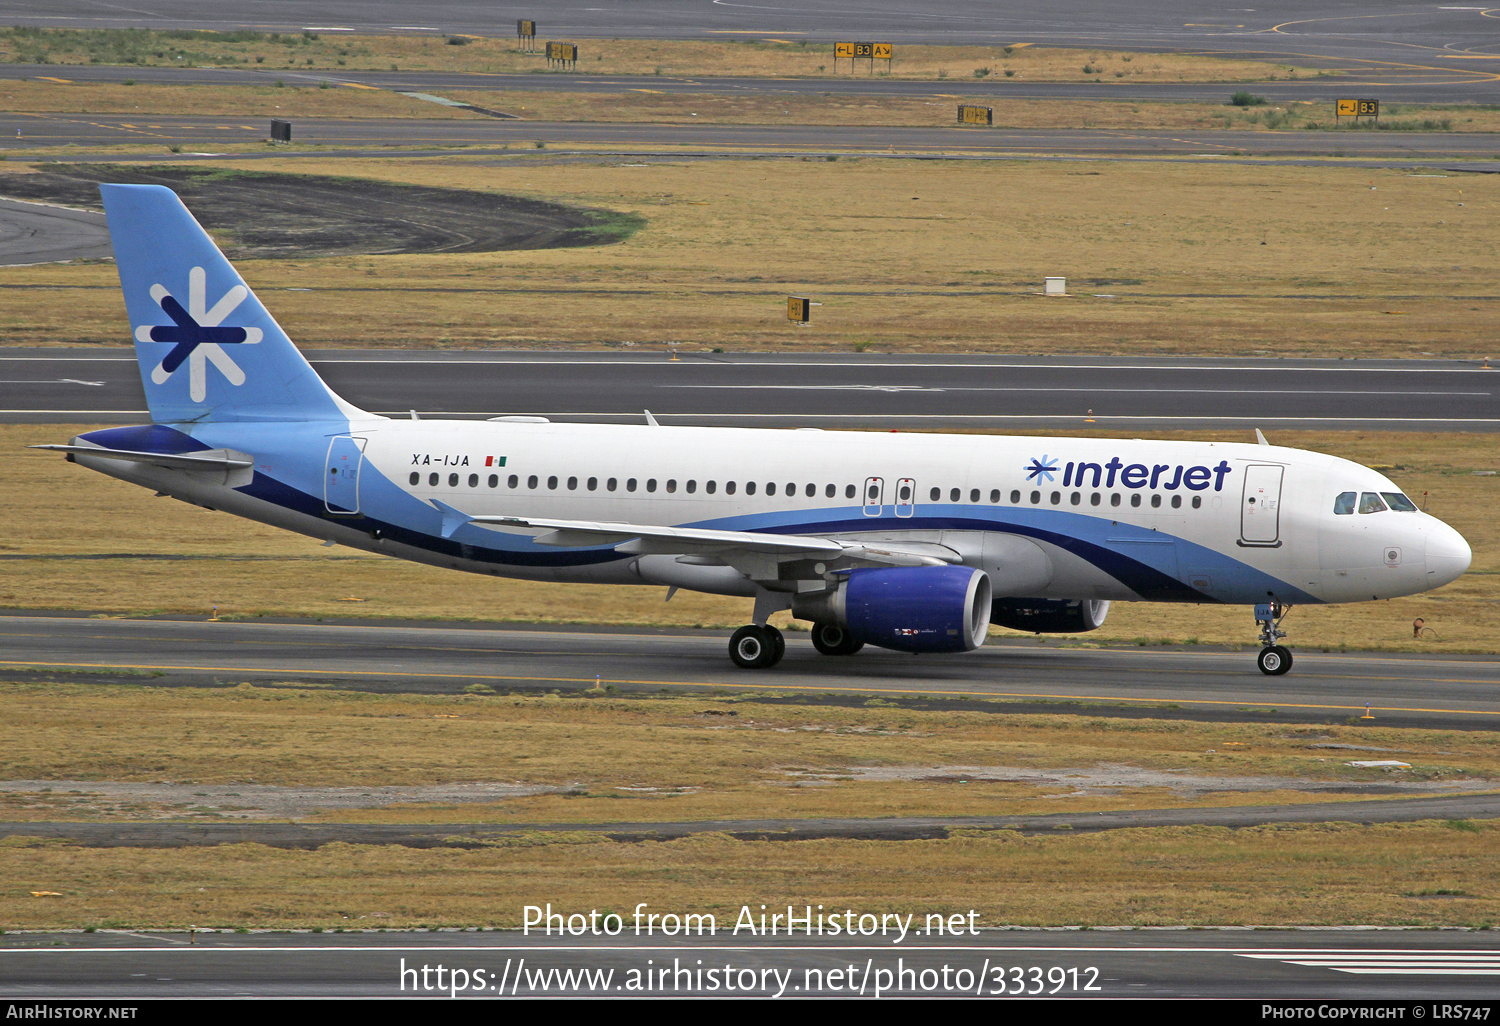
x: 1448, y: 555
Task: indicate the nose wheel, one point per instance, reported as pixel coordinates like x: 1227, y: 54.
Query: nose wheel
x: 756, y: 648
x: 1274, y: 658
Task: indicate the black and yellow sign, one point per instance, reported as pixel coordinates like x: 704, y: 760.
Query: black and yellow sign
x: 871, y: 52
x: 1369, y: 108
x: 526, y: 29
x: 883, y: 51
x: 1346, y: 109
x: 563, y: 52
x: 864, y: 49
x: 799, y: 309
x: 844, y: 50
x: 972, y: 115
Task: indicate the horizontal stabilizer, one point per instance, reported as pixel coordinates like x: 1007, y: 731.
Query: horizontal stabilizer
x: 211, y: 459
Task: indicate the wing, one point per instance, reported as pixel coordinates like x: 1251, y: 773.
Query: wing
x: 642, y: 539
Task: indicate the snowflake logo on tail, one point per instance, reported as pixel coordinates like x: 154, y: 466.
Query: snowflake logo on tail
x: 195, y: 334
x: 1041, y: 469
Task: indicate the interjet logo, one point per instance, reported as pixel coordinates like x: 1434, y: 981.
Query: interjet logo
x: 195, y: 334
x: 1041, y: 469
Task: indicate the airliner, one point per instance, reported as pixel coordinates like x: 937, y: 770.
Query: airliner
x: 910, y: 542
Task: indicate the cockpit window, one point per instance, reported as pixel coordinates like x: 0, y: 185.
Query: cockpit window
x: 1399, y: 502
x: 1344, y: 504
x: 1369, y: 502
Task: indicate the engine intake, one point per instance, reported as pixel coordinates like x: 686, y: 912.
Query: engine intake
x: 909, y: 609
x: 1049, y: 616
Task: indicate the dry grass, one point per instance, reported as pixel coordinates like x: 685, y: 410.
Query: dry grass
x: 1421, y: 874
x: 330, y: 52
x: 302, y: 579
x: 1218, y: 260
x: 232, y: 102
x: 707, y: 758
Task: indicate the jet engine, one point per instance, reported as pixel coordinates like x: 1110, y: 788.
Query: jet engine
x: 1049, y: 616
x: 909, y: 609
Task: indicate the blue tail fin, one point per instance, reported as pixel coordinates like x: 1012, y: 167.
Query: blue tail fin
x: 207, y: 348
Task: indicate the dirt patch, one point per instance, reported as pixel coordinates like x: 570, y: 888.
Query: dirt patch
x: 269, y: 215
x: 87, y: 798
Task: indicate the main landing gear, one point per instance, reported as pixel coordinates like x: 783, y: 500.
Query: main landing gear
x: 1274, y: 659
x: 756, y: 648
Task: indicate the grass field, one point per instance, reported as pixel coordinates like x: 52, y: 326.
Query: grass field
x: 327, y: 51
x: 710, y: 757
x: 248, y: 570
x: 943, y: 257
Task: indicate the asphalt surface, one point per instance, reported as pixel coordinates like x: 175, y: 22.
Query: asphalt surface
x: 42, y: 132
x: 1458, y: 692
x: 833, y: 390
x: 33, y: 233
x: 1403, y: 40
x: 1272, y: 965
x: 1441, y: 87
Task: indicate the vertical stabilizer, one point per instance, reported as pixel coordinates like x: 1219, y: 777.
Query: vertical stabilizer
x: 207, y: 348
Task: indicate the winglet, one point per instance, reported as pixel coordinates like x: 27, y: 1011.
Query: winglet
x: 452, y: 519
x: 1260, y: 437
x: 651, y: 420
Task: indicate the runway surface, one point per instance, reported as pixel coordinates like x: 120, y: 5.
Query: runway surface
x: 40, y: 132
x: 1273, y: 965
x: 1461, y: 692
x: 1406, y: 40
x: 32, y: 233
x: 1441, y: 87
x: 833, y: 390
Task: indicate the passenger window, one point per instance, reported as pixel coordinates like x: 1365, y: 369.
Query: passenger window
x: 513, y: 481
x: 452, y: 480
x: 552, y: 482
x: 609, y: 485
x: 1036, y: 497
x: 830, y: 491
x: 671, y: 485
x: 1135, y: 500
x: 572, y: 484
x: 473, y: 480
x: 811, y: 490
x: 934, y: 495
x: 630, y: 484
x: 650, y: 484
x: 1074, y: 498
x: 692, y: 486
x: 749, y: 487
x: 1114, y: 499
x: 432, y: 480
x: 904, y: 494
x: 1369, y: 502
x: 1399, y: 502
x: 415, y: 477
x: 791, y: 490
x: 973, y: 494
x: 729, y: 487
x: 1015, y: 496
x: 770, y: 487
x: 953, y: 495
x: 994, y: 495
x: 1344, y: 505
x: 1056, y: 498
x: 1094, y: 499
x: 531, y: 481
x: 593, y: 484
x: 848, y: 491
x: 1156, y: 502
x: 1197, y: 501
x: 1176, y: 502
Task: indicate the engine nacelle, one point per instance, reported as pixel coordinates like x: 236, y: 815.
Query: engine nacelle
x: 1049, y: 616
x: 909, y: 609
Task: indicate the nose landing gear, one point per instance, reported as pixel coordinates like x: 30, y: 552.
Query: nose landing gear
x: 1274, y: 659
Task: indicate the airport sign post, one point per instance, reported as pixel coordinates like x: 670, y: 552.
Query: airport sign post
x: 798, y: 309
x: 1356, y: 109
x: 563, y: 54
x: 281, y: 131
x: 526, y: 33
x: 863, y: 51
x: 968, y: 114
